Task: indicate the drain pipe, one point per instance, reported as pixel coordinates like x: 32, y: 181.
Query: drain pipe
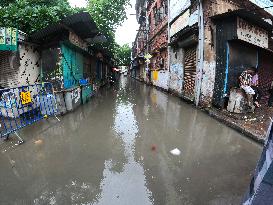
x: 169, y: 38
x: 200, y: 53
x: 169, y: 47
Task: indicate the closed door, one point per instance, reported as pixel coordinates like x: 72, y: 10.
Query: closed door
x: 189, y: 72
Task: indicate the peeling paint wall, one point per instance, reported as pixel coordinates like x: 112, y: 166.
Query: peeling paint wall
x: 176, y: 70
x: 29, y: 70
x: 207, y: 85
x: 176, y: 78
x: 161, y: 79
x: 210, y: 9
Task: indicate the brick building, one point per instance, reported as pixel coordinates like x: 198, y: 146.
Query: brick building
x: 152, y: 36
x: 211, y: 43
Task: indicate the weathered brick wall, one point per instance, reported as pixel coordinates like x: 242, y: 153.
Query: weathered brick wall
x: 158, y: 48
x: 158, y: 38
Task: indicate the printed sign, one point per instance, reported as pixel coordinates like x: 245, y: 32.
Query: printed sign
x: 183, y: 21
x: 2, y: 35
x: 8, y: 39
x: 155, y: 75
x: 177, y: 7
x: 25, y: 97
x: 252, y: 33
x: 14, y: 37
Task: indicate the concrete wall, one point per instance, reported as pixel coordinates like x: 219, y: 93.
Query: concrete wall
x: 20, y: 68
x: 29, y: 70
x: 161, y: 79
x: 208, y: 74
x: 176, y: 71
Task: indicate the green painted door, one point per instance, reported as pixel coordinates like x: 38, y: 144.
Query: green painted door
x: 72, y: 62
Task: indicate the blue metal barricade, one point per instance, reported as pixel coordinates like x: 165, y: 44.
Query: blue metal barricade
x: 23, y: 106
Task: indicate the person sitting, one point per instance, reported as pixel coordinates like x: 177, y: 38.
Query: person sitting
x: 245, y: 81
x: 255, y: 87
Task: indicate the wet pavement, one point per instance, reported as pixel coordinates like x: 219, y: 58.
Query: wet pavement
x: 116, y: 150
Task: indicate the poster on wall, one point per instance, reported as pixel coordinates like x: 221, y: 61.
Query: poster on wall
x: 2, y: 36
x: 177, y: 7
x: 8, y: 39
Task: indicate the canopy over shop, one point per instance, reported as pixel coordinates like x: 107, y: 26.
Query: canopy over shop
x: 66, y: 58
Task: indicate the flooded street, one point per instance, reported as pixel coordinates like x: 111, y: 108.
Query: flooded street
x: 115, y: 150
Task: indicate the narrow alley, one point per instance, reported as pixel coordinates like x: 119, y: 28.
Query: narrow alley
x: 116, y: 150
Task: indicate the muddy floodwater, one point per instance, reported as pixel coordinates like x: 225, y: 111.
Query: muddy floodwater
x: 115, y: 150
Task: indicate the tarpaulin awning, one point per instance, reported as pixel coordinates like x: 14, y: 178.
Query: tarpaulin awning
x: 81, y: 24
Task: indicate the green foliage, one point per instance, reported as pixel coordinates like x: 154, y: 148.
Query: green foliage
x: 108, y: 15
x: 123, y: 55
x: 32, y: 15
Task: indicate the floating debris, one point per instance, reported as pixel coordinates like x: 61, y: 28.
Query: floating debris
x: 175, y: 152
x: 38, y: 142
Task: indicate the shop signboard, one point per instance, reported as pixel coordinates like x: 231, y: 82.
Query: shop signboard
x: 8, y: 39
x: 77, y: 41
x: 251, y: 33
x: 177, y: 7
x: 180, y: 23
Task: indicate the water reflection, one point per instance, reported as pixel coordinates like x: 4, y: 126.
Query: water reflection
x: 101, y: 154
x: 129, y: 185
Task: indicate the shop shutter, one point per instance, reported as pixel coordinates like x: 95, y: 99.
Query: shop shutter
x: 189, y: 72
x: 265, y: 74
x: 9, y: 68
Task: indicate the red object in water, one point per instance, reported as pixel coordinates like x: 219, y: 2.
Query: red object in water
x: 153, y: 147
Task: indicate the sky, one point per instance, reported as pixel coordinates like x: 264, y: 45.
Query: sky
x: 78, y: 3
x: 125, y: 33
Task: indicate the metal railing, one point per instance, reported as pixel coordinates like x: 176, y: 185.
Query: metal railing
x: 23, y: 106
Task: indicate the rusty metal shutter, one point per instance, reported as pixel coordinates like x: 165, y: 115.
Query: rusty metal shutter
x: 9, y: 68
x: 265, y: 74
x: 189, y: 72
